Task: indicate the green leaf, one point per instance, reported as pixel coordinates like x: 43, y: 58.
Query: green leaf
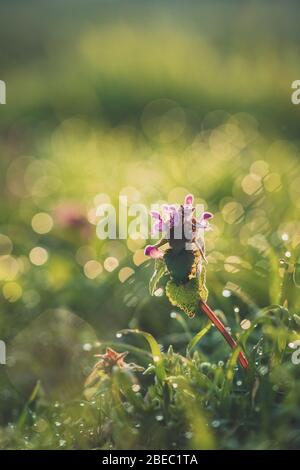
x: 296, y: 319
x: 203, y: 291
x: 26, y: 410
x: 159, y: 272
x: 186, y: 296
x: 155, y: 350
x: 195, y: 340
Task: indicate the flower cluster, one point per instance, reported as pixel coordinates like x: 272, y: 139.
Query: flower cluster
x: 176, y: 224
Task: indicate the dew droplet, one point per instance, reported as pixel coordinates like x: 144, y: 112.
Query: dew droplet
x: 215, y: 423
x: 263, y: 370
x: 159, y: 292
x: 226, y: 293
x: 245, y: 324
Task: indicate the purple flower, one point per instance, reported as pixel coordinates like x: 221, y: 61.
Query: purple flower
x: 169, y: 219
x: 153, y: 252
x: 203, y: 222
x: 181, y: 217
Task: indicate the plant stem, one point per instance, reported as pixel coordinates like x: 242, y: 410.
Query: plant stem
x: 221, y: 328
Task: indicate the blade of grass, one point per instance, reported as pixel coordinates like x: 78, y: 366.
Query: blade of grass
x: 155, y: 351
x: 195, y: 340
x: 25, y: 412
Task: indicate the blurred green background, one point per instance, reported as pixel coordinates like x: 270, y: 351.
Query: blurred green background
x: 152, y: 100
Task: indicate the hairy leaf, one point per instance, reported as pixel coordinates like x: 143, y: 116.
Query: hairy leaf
x: 159, y: 272
x: 186, y: 296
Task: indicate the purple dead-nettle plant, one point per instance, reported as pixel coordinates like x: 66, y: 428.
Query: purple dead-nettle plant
x: 180, y: 255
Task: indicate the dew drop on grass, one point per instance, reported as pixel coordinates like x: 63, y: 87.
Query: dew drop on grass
x: 245, y: 324
x: 119, y: 335
x: 159, y: 417
x: 215, y: 423
x: 174, y: 385
x: 159, y: 292
x: 173, y: 315
x: 259, y: 351
x: 136, y: 388
x: 220, y: 363
x: 226, y: 293
x: 263, y: 370
x: 87, y: 347
x: 239, y: 383
x: 236, y: 309
x: 62, y: 443
x: 189, y: 435
x: 57, y: 423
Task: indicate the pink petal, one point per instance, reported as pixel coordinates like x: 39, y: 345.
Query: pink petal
x: 157, y: 227
x: 189, y: 199
x: 155, y: 215
x: 153, y: 252
x: 206, y: 215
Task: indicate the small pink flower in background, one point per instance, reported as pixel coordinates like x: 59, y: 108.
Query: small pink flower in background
x: 70, y: 214
x: 73, y: 216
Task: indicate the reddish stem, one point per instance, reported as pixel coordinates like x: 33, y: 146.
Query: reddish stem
x: 219, y: 325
